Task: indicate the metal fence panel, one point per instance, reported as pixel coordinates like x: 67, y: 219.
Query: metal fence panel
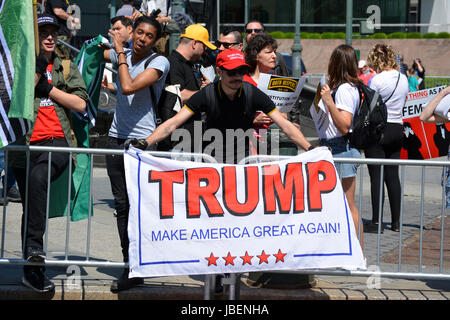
x: 233, y: 282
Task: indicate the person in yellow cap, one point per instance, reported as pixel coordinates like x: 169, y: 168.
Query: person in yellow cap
x: 198, y: 33
x: 191, y: 48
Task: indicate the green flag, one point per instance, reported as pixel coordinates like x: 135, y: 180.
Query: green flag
x: 17, y: 68
x: 91, y: 65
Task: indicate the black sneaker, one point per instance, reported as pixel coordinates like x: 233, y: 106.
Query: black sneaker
x: 13, y: 195
x: 219, y: 284
x: 125, y: 283
x: 37, y: 280
x: 34, y: 254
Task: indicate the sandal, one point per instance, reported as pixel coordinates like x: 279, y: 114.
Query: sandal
x: 395, y: 227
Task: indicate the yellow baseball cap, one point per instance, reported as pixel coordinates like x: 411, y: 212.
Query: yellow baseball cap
x: 199, y: 33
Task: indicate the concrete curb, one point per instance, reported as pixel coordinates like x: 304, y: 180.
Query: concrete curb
x: 324, y: 290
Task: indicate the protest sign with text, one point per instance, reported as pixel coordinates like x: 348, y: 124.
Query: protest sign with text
x: 197, y: 218
x: 423, y: 140
x: 283, y: 91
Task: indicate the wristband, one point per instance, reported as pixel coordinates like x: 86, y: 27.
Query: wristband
x: 122, y: 64
x: 119, y: 53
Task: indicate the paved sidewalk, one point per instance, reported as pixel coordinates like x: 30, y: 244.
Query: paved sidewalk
x: 95, y: 282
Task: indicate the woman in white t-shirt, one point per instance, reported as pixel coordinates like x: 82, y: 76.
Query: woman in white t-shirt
x: 333, y: 118
x: 393, y: 88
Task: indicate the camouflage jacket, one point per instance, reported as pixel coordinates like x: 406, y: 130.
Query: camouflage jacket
x: 69, y: 81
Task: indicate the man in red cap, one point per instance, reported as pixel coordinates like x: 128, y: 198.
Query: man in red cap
x: 233, y: 105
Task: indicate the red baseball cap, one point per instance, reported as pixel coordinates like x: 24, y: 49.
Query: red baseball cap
x: 231, y: 59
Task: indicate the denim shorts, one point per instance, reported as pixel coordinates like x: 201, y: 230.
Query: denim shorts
x: 340, y: 148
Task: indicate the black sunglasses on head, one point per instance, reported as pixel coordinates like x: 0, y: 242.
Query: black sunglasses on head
x: 255, y: 30
x: 241, y: 71
x: 226, y: 45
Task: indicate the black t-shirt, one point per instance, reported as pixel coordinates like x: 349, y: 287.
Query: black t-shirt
x: 235, y: 114
x: 181, y: 72
x: 61, y: 4
x: 231, y: 114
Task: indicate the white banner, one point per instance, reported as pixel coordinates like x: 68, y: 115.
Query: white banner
x: 423, y: 140
x: 283, y: 91
x: 418, y: 100
x: 196, y: 218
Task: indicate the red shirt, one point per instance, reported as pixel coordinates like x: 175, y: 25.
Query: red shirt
x: 366, y: 77
x: 249, y: 79
x: 47, y: 124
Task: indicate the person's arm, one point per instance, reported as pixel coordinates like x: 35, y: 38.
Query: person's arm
x: 162, y: 19
x: 60, y: 13
x: 186, y: 95
x: 74, y: 94
x: 419, y: 66
x: 428, y: 114
x: 106, y: 85
x: 262, y: 119
x: 342, y: 119
x: 70, y: 101
x: 177, y: 76
x: 166, y: 128
x: 290, y: 129
x: 107, y: 55
x: 73, y: 97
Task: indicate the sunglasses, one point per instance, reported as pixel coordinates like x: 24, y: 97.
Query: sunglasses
x: 241, y: 71
x: 43, y: 34
x: 253, y: 30
x: 226, y: 45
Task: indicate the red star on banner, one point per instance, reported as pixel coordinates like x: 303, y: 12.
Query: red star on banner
x: 229, y: 259
x: 212, y: 260
x: 246, y: 259
x: 263, y: 257
x: 280, y: 256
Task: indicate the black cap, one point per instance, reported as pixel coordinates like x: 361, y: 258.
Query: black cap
x: 45, y: 20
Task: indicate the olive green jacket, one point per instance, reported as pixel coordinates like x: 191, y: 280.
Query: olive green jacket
x: 73, y: 84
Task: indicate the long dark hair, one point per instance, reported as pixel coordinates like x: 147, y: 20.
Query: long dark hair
x: 343, y: 66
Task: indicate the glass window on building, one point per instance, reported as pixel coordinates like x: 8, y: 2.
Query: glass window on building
x: 280, y: 15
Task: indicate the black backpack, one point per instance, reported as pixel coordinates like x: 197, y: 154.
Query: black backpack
x: 370, y: 119
x: 163, y: 106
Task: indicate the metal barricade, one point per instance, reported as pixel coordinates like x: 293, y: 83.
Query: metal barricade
x: 436, y: 81
x: 233, y: 281
x: 87, y: 261
x: 399, y: 273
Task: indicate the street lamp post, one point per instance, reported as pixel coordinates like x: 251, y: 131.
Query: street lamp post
x: 297, y: 46
x: 174, y: 38
x: 349, y: 23
x: 112, y: 9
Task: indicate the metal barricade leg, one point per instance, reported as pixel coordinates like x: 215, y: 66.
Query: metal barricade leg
x: 421, y: 219
x: 209, y: 286
x: 234, y: 285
